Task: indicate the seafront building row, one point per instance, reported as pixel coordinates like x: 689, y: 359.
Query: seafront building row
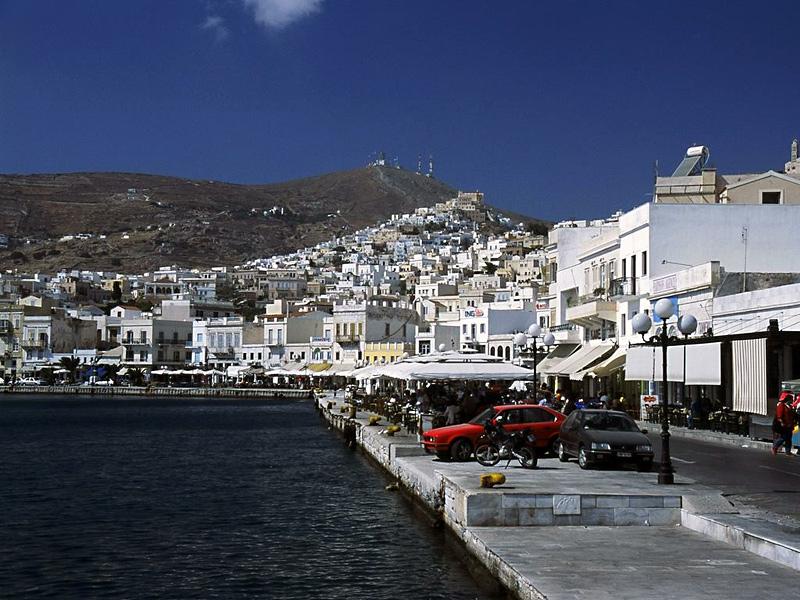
x: 459, y: 276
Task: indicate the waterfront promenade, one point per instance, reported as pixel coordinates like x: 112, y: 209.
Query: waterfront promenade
x: 560, y: 532
x: 159, y: 391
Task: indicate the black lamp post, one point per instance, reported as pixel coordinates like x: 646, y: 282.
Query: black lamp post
x: 687, y: 324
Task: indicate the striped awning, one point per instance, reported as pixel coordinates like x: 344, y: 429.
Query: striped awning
x: 583, y: 358
x: 750, y: 376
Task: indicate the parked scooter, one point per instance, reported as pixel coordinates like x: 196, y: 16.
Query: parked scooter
x: 497, y: 444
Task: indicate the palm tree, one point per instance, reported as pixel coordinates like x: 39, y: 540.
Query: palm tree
x: 112, y: 371
x: 136, y: 376
x: 71, y: 364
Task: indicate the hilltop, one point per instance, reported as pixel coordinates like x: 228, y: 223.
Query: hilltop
x: 134, y: 222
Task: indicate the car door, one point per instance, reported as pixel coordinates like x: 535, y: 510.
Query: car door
x: 512, y: 419
x: 542, y: 422
x: 571, y: 432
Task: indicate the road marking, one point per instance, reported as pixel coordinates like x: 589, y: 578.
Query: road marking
x: 688, y: 462
x: 780, y: 471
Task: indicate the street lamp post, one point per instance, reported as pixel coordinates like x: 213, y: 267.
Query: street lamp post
x: 687, y: 324
x: 534, y: 331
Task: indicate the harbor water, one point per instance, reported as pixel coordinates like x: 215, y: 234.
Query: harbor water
x: 161, y: 498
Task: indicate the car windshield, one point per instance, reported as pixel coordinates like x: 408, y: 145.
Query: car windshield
x: 483, y: 417
x: 608, y: 422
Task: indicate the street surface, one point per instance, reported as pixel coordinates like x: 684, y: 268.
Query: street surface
x: 746, y: 476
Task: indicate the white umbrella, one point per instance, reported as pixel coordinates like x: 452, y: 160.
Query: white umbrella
x: 460, y: 372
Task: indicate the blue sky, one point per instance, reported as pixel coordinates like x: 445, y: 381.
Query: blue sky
x: 554, y: 109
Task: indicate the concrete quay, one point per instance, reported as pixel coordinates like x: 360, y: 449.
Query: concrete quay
x: 158, y: 391
x: 560, y: 532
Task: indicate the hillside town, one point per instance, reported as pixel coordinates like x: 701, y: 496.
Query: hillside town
x: 457, y: 276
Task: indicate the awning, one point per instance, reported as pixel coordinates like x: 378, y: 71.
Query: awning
x: 604, y: 368
x: 750, y: 376
x: 548, y: 364
x: 452, y: 371
x: 692, y: 364
x: 582, y: 358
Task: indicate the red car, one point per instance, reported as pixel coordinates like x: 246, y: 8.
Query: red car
x: 457, y: 442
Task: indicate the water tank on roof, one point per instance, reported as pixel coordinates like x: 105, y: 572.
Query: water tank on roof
x: 694, y: 161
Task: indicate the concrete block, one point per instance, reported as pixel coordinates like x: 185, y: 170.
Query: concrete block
x: 511, y: 517
x: 536, y: 516
x: 707, y: 504
x: 566, y: 505
x: 519, y: 501
x: 597, y: 516
x: 646, y: 502
x: 484, y: 510
x: 567, y: 520
x: 647, y: 516
x: 544, y: 501
x: 612, y: 501
x: 631, y: 516
x: 588, y: 502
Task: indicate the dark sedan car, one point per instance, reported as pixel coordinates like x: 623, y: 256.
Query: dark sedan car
x: 604, y: 436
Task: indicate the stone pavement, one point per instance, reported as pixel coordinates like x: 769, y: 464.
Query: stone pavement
x: 621, y: 563
x: 525, y: 531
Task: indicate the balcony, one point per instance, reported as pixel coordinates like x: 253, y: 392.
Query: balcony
x: 348, y: 338
x: 592, y: 313
x: 135, y: 342
x: 622, y: 286
x: 33, y: 343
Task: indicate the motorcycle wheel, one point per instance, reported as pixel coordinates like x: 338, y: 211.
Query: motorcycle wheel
x: 487, y: 454
x: 527, y: 458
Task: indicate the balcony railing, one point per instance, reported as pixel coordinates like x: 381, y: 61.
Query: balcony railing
x: 33, y: 343
x: 135, y: 342
x: 622, y: 286
x: 564, y: 327
x: 348, y: 337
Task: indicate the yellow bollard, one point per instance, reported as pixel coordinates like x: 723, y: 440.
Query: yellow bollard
x: 492, y: 479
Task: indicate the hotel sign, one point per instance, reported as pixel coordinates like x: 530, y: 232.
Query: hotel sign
x: 473, y: 312
x: 665, y: 284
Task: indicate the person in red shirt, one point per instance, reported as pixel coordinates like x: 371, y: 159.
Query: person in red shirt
x: 783, y: 423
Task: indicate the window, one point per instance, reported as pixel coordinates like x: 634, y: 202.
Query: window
x: 280, y: 337
x: 386, y: 330
x: 143, y: 356
x: 199, y: 338
x: 269, y: 337
x: 143, y: 337
x: 176, y: 356
x: 537, y: 415
x: 644, y: 262
x: 622, y: 324
x: 771, y: 196
x: 624, y: 268
x: 483, y: 328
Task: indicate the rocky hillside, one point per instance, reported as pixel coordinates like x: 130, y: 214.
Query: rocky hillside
x: 133, y: 222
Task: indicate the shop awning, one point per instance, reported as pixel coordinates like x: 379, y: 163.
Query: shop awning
x: 548, y: 364
x: 583, y: 358
x: 750, y: 376
x: 692, y: 364
x: 604, y: 368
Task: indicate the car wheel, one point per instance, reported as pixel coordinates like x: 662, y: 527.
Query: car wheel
x: 562, y: 452
x: 644, y: 466
x: 583, y: 458
x: 461, y: 450
x: 552, y: 449
x: 443, y: 455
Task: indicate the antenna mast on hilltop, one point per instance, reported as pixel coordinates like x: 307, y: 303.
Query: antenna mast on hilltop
x: 430, y: 165
x: 419, y: 164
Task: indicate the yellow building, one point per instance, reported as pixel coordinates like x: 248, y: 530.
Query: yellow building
x: 385, y: 352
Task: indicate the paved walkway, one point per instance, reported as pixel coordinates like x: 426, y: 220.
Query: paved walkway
x: 621, y: 563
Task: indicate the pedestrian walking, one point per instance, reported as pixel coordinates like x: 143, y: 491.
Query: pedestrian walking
x: 783, y: 424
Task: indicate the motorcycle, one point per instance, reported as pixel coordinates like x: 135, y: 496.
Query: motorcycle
x: 497, y: 444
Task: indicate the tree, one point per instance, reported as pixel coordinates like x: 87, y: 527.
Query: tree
x: 116, y: 293
x: 71, y: 364
x: 136, y: 376
x: 489, y: 268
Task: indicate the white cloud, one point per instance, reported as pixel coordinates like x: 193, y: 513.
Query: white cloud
x: 276, y: 14
x: 216, y: 25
